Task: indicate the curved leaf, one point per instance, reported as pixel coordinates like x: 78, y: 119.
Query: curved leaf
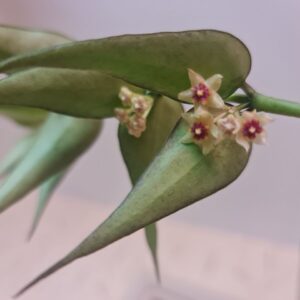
x: 157, y: 62
x: 46, y: 190
x: 59, y: 142
x: 87, y: 94
x: 16, y: 154
x: 25, y: 116
x: 14, y: 40
x: 179, y: 176
x: 139, y: 152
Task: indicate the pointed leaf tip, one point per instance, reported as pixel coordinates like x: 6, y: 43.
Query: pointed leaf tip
x: 179, y: 176
x: 68, y: 136
x: 47, y: 188
x: 139, y: 152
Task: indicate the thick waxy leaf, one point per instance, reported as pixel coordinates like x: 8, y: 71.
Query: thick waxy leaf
x: 58, y: 143
x: 23, y: 115
x: 156, y: 61
x: 46, y: 190
x: 15, y: 40
x: 87, y: 94
x: 139, y: 152
x: 16, y: 154
x: 179, y: 176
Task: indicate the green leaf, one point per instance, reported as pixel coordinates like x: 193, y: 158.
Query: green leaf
x: 139, y: 152
x: 25, y: 116
x: 14, y: 40
x: 152, y: 241
x: 15, y: 155
x: 179, y: 176
x: 59, y: 142
x: 46, y: 190
x: 157, y: 62
x: 87, y: 94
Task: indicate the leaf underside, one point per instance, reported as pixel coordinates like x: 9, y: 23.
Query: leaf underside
x: 157, y: 62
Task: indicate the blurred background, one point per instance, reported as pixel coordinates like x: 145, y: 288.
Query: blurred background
x: 249, y: 232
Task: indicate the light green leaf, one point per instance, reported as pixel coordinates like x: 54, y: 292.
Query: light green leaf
x: 46, y: 190
x: 15, y: 155
x: 157, y: 62
x: 138, y: 153
x: 59, y: 142
x: 179, y: 176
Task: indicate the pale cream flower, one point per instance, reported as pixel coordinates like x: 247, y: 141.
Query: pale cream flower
x: 252, y: 128
x: 203, y: 92
x: 125, y: 95
x: 136, y: 108
x: 229, y: 124
x: 202, y: 130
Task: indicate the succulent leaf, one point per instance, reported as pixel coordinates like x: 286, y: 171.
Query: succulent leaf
x: 139, y: 152
x: 46, y: 190
x: 157, y: 62
x: 59, y: 142
x: 25, y: 116
x: 87, y: 94
x: 16, y: 154
x: 179, y: 176
x: 14, y: 40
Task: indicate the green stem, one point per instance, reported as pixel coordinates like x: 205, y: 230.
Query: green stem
x: 268, y: 104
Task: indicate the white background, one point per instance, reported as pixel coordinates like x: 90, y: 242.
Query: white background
x: 264, y: 201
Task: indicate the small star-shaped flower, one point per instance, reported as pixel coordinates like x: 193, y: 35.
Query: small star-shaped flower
x: 252, y: 128
x: 134, y: 112
x: 203, y: 92
x: 202, y: 130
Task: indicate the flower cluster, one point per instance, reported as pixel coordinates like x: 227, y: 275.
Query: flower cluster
x: 212, y: 120
x: 136, y: 108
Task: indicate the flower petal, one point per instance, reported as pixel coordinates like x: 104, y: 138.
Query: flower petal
x: 261, y: 139
x: 215, y: 101
x: 214, y: 82
x: 186, y: 96
x: 264, y: 118
x: 195, y: 78
x: 243, y: 142
x: 188, y: 117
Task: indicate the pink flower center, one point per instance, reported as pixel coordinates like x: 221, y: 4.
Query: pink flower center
x: 199, y: 131
x: 200, y: 93
x: 252, y: 128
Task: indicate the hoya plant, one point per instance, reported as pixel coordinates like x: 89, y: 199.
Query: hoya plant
x: 175, y: 155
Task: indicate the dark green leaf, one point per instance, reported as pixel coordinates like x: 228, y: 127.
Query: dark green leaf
x: 15, y: 40
x: 23, y: 115
x: 139, y: 152
x: 179, y: 176
x: 157, y: 62
x: 87, y: 94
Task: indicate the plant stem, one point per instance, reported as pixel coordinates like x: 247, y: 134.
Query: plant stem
x: 268, y: 104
